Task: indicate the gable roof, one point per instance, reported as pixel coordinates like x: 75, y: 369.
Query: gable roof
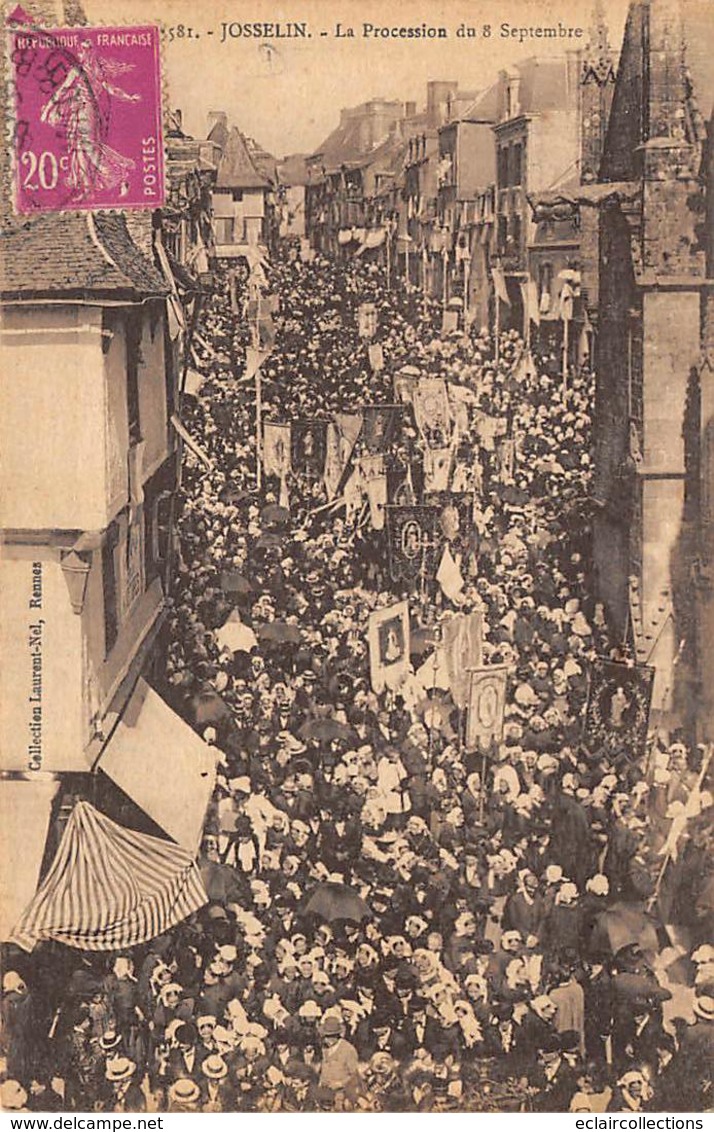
x: 237, y: 169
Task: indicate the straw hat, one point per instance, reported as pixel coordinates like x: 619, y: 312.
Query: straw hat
x: 184, y: 1091
x: 214, y: 1067
x: 120, y: 1069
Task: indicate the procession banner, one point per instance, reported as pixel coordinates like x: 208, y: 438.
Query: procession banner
x: 404, y: 384
x: 388, y: 639
x: 499, y: 285
x: 380, y: 426
x: 333, y: 461
x: 486, y: 705
x: 437, y: 468
x: 308, y: 446
x: 367, y: 320
x: 349, y: 427
x: 506, y: 459
x: 375, y: 353
x: 455, y: 512
x: 276, y: 449
x: 431, y: 411
x: 377, y: 496
x: 618, y: 709
x: 462, y: 644
x: 403, y: 481
x: 459, y: 409
x: 414, y: 541
x: 488, y: 429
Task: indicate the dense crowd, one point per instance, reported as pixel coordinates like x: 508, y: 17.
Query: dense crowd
x: 394, y: 922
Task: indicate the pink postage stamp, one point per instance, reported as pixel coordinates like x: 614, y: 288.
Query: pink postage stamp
x: 88, y: 118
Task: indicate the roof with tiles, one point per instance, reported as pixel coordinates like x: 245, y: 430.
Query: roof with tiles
x: 75, y: 254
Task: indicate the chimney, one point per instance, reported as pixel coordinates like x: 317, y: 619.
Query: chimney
x: 215, y: 117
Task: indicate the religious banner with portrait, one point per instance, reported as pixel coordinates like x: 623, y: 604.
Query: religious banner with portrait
x: 367, y: 320
x: 380, y: 427
x: 462, y: 644
x: 486, y: 705
x: 388, y: 639
x: 455, y: 513
x: 437, y: 468
x: 414, y: 541
x: 431, y: 411
x: 309, y: 446
x: 618, y: 709
x: 404, y: 383
x: 276, y: 449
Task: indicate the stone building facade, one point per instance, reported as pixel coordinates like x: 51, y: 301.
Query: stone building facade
x: 653, y: 402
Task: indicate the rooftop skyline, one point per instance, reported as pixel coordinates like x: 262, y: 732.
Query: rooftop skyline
x: 287, y: 93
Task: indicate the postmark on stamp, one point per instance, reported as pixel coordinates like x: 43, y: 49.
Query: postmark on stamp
x: 88, y: 118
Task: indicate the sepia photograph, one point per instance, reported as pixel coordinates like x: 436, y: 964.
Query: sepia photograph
x: 357, y: 561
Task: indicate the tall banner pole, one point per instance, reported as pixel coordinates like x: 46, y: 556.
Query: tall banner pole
x: 566, y: 325
x: 497, y: 328
x: 258, y: 403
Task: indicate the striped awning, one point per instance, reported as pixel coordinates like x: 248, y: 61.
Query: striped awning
x: 110, y: 887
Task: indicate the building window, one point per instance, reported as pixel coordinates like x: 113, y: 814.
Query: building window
x: 133, y: 361
x: 516, y: 229
x: 109, y: 587
x: 502, y: 234
x: 517, y: 164
x: 503, y: 167
x: 545, y: 282
x: 224, y: 229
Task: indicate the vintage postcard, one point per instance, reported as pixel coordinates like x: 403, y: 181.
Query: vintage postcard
x: 357, y: 571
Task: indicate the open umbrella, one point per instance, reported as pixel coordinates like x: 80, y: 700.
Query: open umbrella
x: 279, y: 632
x: 235, y: 636
x: 327, y: 731
x: 421, y: 640
x: 330, y: 901
x: 274, y: 513
x: 232, y: 582
x: 268, y: 541
x: 219, y: 882
x: 208, y: 707
x: 623, y: 924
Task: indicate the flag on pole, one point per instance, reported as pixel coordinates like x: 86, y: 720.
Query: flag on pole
x: 499, y: 285
x: 531, y: 304
x: 450, y: 578
x: 462, y: 643
x: 196, y: 448
x: 253, y: 361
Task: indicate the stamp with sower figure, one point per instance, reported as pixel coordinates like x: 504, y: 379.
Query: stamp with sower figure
x: 88, y: 118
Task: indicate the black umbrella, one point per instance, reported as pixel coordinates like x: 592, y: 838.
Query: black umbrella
x: 268, y: 541
x: 208, y: 708
x: 234, y: 583
x: 331, y: 901
x: 274, y: 513
x: 326, y: 731
x: 279, y: 632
